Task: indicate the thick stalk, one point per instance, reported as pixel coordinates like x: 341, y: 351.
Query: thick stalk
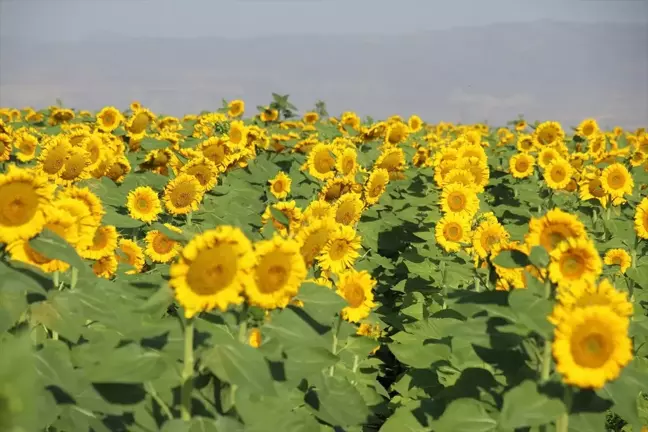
x: 56, y: 278
x: 187, y: 371
x: 189, y: 219
x: 336, y: 330
x: 562, y: 423
x: 74, y: 277
x: 546, y: 356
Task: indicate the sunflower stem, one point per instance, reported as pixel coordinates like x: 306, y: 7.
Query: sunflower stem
x: 187, y: 371
x: 74, y: 278
x: 336, y: 330
x: 189, y: 219
x: 546, y: 355
x: 56, y: 277
x: 562, y: 423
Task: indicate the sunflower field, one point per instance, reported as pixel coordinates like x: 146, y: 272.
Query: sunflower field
x: 302, y: 273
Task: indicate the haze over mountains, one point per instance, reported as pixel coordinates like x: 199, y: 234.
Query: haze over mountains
x: 544, y: 70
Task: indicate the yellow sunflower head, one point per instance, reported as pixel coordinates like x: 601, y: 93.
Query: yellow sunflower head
x: 641, y: 219
x: 487, y: 235
x: 574, y: 260
x: 143, y: 204
x: 591, y: 346
x: 311, y: 117
x: 104, y: 243
x: 618, y: 257
x: 346, y: 163
x: 396, y: 133
x: 376, y: 185
x: 348, y: 209
x: 235, y: 108
x: 212, y: 270
x: 24, y: 198
x: 183, y: 194
x: 617, y: 181
x: 553, y: 228
x: 558, y: 174
x: 105, y: 267
x: 451, y: 231
x: 129, y: 252
x: 415, y: 123
x: 204, y: 170
x: 313, y: 237
x: 161, y: 248
x: 459, y: 200
x: 109, y: 118
x: 278, y: 273
x: 521, y: 165
x: 357, y: 289
x: 341, y: 251
x: 280, y: 185
x: 321, y: 162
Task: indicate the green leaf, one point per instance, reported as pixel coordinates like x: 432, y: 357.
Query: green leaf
x: 279, y: 216
x: 172, y: 235
x: 511, y: 259
x: 241, y: 365
x: 53, y: 246
x: 320, y: 302
x: 292, y: 330
x: 539, y: 257
x: 402, y: 421
x: 525, y: 406
x: 624, y: 391
x: 120, y: 220
x: 418, y: 354
x: 338, y: 402
x: 465, y: 415
x: 302, y: 362
x: 531, y: 311
x: 128, y: 364
x: 149, y: 144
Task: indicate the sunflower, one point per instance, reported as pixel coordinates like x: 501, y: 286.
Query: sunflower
x: 290, y: 210
x: 143, y: 204
x: 586, y: 294
x: 254, y: 338
x: 472, y: 151
x: 318, y: 209
x: 218, y: 150
x: 75, y: 168
x: 617, y: 181
x: 237, y: 134
x: 392, y: 159
x: 548, y: 133
x: 479, y: 169
x: 348, y: 209
x: 587, y: 128
x: 487, y: 235
x: 347, y: 164
x: 212, y: 270
x: 321, y: 162
x: 60, y: 115
x: 357, y: 289
x: 24, y: 196
x: 376, y: 185
x: 619, y: 257
x: 280, y: 185
x: 521, y: 165
x: 183, y: 194
x: 204, y: 170
x: 26, y: 145
x: 451, y: 231
x: 118, y: 169
x: 314, y: 237
x: 109, y: 118
x: 574, y: 260
x: 104, y: 243
x: 61, y: 223
x: 311, y: 117
x: 85, y: 224
x: 421, y: 157
x: 396, y: 133
x: 161, y: 248
x: 269, y: 115
x: 105, y: 267
x: 336, y: 187
x: 460, y: 200
x: 235, y: 108
x: 278, y: 273
x: 591, y: 187
x: 591, y: 346
x: 128, y: 252
x: 139, y: 121
x: 53, y: 155
x: 641, y: 219
x: 341, y: 251
x: 553, y: 228
x: 558, y: 173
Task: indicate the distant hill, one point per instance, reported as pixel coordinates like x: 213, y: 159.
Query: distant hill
x: 545, y: 70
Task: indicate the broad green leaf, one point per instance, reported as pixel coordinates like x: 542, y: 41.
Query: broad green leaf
x: 301, y: 362
x: 320, y: 302
x: 53, y: 246
x: 241, y: 365
x: 525, y: 406
x: 624, y: 392
x: 418, y: 354
x: 539, y: 257
x: 279, y: 216
x: 129, y: 364
x: 532, y: 311
x: 511, y: 259
x: 172, y: 235
x: 338, y: 402
x: 402, y: 421
x: 291, y: 329
x: 149, y: 144
x: 465, y: 415
x: 120, y: 220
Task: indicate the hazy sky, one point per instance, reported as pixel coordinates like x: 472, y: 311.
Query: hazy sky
x: 74, y: 19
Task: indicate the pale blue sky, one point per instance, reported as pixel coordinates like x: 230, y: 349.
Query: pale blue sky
x: 74, y: 19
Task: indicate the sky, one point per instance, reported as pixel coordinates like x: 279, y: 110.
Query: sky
x: 76, y: 19
x: 467, y: 60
